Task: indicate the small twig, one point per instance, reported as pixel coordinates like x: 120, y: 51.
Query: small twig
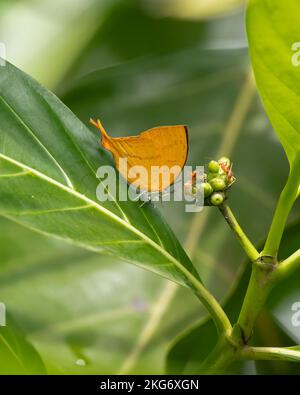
x: 249, y: 248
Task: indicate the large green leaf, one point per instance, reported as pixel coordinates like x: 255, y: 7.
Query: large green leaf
x: 17, y: 355
x: 83, y: 311
x: 48, y: 182
x: 273, y: 28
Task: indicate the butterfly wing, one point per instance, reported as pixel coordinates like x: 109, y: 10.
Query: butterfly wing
x: 164, y: 148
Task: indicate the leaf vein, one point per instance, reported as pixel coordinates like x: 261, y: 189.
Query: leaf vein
x: 38, y: 141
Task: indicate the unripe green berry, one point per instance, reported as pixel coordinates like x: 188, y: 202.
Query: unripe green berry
x: 207, y: 189
x: 224, y: 178
x: 217, y: 198
x: 213, y: 166
x: 194, y: 190
x: 225, y: 160
x: 218, y: 184
x: 211, y: 176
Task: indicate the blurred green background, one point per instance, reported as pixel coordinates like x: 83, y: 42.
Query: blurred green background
x: 137, y: 64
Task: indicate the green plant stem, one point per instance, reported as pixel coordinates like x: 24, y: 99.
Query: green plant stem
x: 214, y: 308
x: 210, y: 303
x: 271, y: 353
x: 238, y: 231
x: 221, y: 357
x: 289, y: 265
x: 287, y: 198
x: 263, y: 278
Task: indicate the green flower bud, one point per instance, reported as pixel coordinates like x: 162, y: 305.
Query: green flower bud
x: 213, y: 166
x: 217, y: 198
x: 218, y: 184
x: 225, y: 160
x: 207, y: 189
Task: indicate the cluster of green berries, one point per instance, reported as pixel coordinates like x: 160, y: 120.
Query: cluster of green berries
x: 216, y: 181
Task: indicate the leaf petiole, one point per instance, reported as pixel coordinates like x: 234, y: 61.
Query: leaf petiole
x: 289, y: 265
x: 210, y: 303
x: 272, y: 353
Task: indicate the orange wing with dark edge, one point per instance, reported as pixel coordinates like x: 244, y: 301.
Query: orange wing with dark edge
x: 164, y: 147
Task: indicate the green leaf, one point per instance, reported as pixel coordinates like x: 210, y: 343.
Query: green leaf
x: 48, y: 162
x: 83, y: 311
x: 273, y: 28
x: 17, y: 355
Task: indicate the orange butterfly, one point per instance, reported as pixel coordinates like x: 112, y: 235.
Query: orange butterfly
x: 164, y: 147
